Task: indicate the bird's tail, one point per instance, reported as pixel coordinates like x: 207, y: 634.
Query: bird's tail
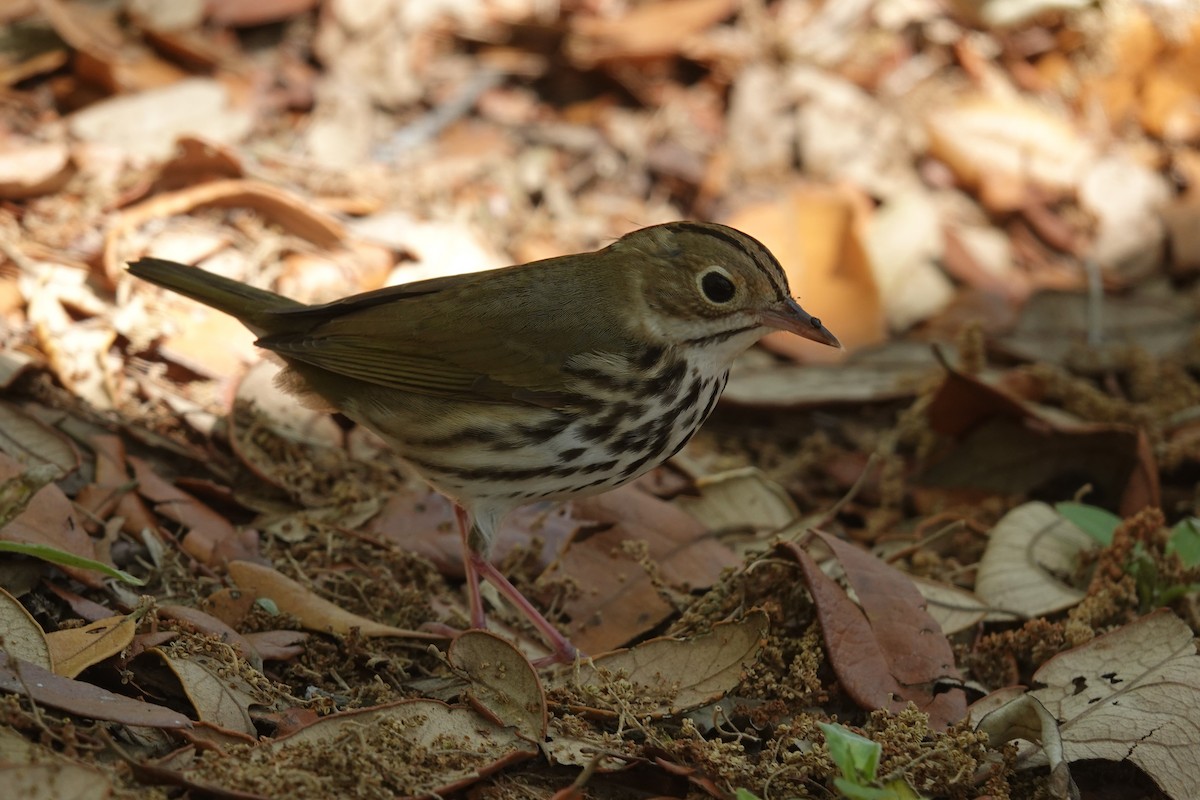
x: 255, y: 308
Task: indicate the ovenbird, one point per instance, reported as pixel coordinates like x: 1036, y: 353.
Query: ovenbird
x: 554, y: 379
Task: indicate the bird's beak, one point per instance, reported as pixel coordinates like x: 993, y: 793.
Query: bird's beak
x: 794, y: 319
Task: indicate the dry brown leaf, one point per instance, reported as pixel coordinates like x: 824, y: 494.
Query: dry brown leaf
x: 34, y: 170
x: 76, y: 649
x: 23, y: 637
x: 210, y: 538
x: 1002, y: 146
x: 83, y: 699
x: 673, y: 676
x: 619, y: 601
x: 314, y: 613
x: 885, y: 654
x: 503, y: 684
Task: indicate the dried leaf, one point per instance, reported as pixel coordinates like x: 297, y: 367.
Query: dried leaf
x: 673, y: 676
x: 83, y: 699
x: 503, y: 684
x: 314, y: 613
x: 1133, y: 694
x: 23, y: 637
x: 220, y: 695
x: 76, y: 649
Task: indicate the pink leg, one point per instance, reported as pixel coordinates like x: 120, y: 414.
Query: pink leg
x: 564, y: 651
x: 478, y: 619
x: 476, y: 566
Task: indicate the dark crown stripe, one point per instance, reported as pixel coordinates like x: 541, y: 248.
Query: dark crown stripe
x: 763, y: 258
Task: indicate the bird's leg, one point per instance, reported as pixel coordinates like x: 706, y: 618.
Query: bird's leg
x: 564, y: 651
x: 478, y: 619
x: 477, y: 566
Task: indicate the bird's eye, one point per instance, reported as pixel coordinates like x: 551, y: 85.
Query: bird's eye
x: 716, y: 286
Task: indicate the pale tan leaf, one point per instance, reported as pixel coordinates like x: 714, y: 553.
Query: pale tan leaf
x: 1004, y: 145
x: 954, y: 608
x: 1023, y: 717
x: 23, y: 637
x: 31, y: 441
x: 671, y: 676
x: 740, y: 498
x: 1027, y: 549
x: 504, y: 684
x: 1131, y: 694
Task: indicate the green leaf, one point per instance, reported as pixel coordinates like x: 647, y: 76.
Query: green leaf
x: 856, y: 756
x: 1095, y: 522
x: 744, y: 794
x: 56, y: 556
x: 1184, y: 541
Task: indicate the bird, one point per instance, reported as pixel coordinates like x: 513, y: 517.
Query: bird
x: 555, y: 379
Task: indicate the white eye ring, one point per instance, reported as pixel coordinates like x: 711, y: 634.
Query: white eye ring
x: 716, y: 285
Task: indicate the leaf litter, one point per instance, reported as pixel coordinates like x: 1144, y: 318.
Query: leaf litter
x: 1015, y: 184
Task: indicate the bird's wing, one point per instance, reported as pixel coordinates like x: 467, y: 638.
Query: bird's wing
x: 502, y: 338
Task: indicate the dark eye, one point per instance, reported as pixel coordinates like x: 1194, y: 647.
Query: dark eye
x: 717, y: 287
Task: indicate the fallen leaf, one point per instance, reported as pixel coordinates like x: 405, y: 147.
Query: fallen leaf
x: 23, y: 637
x: 76, y: 649
x: 83, y: 699
x: 671, y: 676
x: 888, y: 652
x: 1133, y: 694
x: 314, y: 613
x: 502, y: 683
x: 1027, y: 550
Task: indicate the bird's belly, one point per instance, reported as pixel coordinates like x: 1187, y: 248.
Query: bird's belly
x: 506, y: 456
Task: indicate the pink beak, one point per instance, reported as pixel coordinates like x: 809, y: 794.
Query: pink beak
x: 794, y: 319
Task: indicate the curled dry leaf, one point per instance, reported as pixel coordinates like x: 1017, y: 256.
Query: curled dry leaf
x: 1027, y: 549
x: 670, y: 676
x: 219, y: 694
x: 83, y: 699
x: 1023, y: 717
x: 314, y: 613
x: 503, y: 684
x: 23, y: 637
